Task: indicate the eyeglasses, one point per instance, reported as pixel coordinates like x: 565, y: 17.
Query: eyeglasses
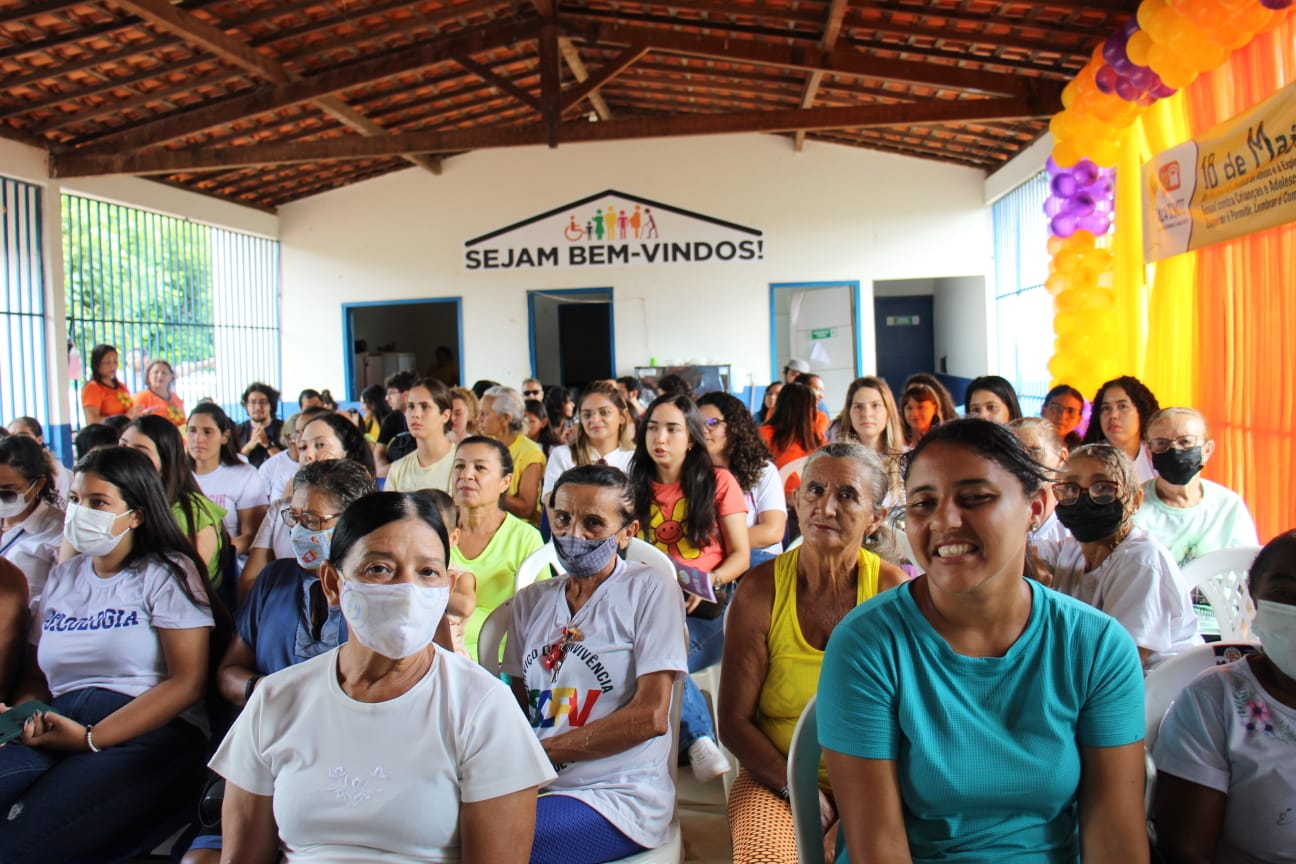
x: 1184, y: 442
x: 532, y: 392
x: 311, y: 521
x: 9, y: 497
x: 1038, y: 453
x: 601, y: 413
x: 1064, y: 410
x: 713, y: 422
x: 1102, y: 492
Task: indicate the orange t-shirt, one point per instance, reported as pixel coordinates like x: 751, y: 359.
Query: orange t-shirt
x: 109, y: 401
x: 150, y: 403
x: 669, y: 512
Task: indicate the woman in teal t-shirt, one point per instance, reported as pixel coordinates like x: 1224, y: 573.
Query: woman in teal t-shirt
x: 972, y: 714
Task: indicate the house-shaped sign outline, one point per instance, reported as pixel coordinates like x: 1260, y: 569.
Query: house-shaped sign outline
x: 589, y: 199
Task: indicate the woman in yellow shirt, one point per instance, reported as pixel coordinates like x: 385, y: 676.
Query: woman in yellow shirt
x: 778, y: 627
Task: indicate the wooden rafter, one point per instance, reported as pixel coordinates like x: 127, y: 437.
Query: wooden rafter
x: 270, y: 98
x: 589, y: 86
x: 827, y: 42
x: 571, y: 56
x: 550, y: 80
x: 842, y: 61
x: 495, y: 80
x: 195, y: 31
x: 355, y: 147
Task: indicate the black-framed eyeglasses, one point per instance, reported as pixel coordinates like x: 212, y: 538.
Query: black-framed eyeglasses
x: 311, y: 521
x: 1183, y: 442
x: 1102, y: 492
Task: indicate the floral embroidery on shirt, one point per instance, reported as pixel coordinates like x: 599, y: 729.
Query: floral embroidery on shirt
x: 353, y: 790
x: 1256, y: 717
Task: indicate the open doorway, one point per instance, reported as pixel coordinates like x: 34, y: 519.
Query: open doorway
x: 936, y: 325
x: 571, y: 335
x: 387, y: 336
x: 817, y: 322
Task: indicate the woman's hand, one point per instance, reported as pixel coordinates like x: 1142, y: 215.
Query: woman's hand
x: 827, y: 812
x: 55, y: 732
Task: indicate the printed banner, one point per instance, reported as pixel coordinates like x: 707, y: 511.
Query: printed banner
x: 1236, y: 179
x: 613, y: 229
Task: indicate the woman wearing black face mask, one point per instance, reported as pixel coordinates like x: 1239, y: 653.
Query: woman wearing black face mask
x: 1110, y: 563
x: 593, y: 656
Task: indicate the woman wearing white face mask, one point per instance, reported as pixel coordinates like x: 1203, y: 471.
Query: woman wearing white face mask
x: 386, y: 746
x: 1226, y: 754
x: 286, y: 618
x: 31, y: 518
x: 612, y: 633
x: 122, y: 658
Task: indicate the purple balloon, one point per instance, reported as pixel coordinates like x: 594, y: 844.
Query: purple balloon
x: 1131, y: 27
x: 1142, y: 77
x: 1085, y: 172
x: 1063, y: 226
x: 1104, y: 205
x: 1146, y: 98
x: 1106, y: 78
x: 1054, y: 206
x: 1081, y: 205
x: 1052, y: 167
x: 1163, y: 91
x: 1114, y: 48
x: 1124, y: 67
x: 1126, y: 90
x: 1277, y: 5
x: 1103, y: 188
x: 1064, y: 185
x: 1095, y: 223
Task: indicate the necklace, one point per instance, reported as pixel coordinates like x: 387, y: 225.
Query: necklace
x: 557, y: 652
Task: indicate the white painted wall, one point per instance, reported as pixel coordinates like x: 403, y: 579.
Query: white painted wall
x: 828, y: 213
x: 960, y: 312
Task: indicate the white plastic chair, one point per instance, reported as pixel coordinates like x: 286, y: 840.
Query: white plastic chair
x: 803, y: 786
x: 794, y: 467
x: 672, y: 851
x: 646, y: 553
x: 531, y: 567
x: 1221, y: 577
x: 1164, y: 683
x: 491, y: 636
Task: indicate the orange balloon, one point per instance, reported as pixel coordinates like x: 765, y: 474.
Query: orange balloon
x: 1137, y: 47
x: 1065, y: 153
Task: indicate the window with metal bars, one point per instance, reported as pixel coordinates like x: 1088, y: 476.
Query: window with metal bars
x: 157, y: 287
x: 1023, y: 307
x: 23, y: 391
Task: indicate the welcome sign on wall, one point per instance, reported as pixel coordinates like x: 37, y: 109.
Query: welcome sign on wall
x: 613, y: 229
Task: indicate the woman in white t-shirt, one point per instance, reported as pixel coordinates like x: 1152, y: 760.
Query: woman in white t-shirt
x: 602, y: 435
x: 1226, y: 753
x: 225, y: 478
x: 1109, y: 562
x: 734, y: 443
x: 31, y: 515
x: 121, y: 636
x: 593, y: 657
x: 386, y: 747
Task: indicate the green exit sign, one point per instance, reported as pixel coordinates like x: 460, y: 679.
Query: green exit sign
x: 902, y: 321
x: 825, y: 333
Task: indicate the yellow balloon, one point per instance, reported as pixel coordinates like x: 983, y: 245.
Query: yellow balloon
x: 1065, y: 153
x: 1137, y: 47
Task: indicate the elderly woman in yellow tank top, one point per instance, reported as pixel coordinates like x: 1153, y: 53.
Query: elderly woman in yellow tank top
x: 778, y: 626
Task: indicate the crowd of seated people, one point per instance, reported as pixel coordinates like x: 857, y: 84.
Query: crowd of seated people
x: 200, y: 591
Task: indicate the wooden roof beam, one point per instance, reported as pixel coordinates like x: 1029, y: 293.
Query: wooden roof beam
x: 550, y: 79
x: 590, y: 86
x: 309, y: 89
x: 499, y: 81
x: 843, y: 60
x: 1037, y: 104
x: 827, y: 42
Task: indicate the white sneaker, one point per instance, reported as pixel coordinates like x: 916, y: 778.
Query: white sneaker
x: 706, y: 760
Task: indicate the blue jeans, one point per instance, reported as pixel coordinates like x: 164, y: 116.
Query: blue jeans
x: 706, y: 646
x: 57, y: 806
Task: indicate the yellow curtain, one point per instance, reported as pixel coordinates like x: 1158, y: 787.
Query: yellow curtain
x: 1216, y: 329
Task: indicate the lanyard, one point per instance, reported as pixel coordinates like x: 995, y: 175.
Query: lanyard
x: 19, y: 533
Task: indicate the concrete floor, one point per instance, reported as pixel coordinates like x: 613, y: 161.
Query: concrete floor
x: 702, y: 820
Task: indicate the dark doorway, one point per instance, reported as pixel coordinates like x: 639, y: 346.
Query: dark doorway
x: 382, y: 338
x: 572, y: 340
x: 905, y: 337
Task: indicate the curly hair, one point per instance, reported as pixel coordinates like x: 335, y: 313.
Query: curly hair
x: 746, y: 451
x: 1145, y: 402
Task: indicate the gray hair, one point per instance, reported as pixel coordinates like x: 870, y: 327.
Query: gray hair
x: 508, y: 402
x: 1171, y: 413
x: 856, y: 452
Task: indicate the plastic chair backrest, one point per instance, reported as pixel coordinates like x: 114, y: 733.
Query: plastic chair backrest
x: 491, y: 637
x: 529, y: 570
x: 1164, y: 683
x: 793, y: 467
x: 646, y: 553
x: 1221, y: 577
x: 803, y: 786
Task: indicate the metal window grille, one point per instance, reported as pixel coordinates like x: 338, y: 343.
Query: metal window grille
x: 161, y: 288
x: 22, y: 304
x: 1023, y: 307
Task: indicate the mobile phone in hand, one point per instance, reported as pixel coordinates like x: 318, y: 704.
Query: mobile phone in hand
x: 11, y: 722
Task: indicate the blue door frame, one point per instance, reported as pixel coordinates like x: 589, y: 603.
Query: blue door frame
x: 348, y: 334
x: 776, y: 374
x: 531, y: 295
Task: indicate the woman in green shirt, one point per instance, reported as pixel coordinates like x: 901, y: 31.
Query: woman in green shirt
x: 198, y: 517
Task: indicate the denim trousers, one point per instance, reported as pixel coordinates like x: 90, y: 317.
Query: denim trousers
x: 56, y: 806
x: 706, y: 646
